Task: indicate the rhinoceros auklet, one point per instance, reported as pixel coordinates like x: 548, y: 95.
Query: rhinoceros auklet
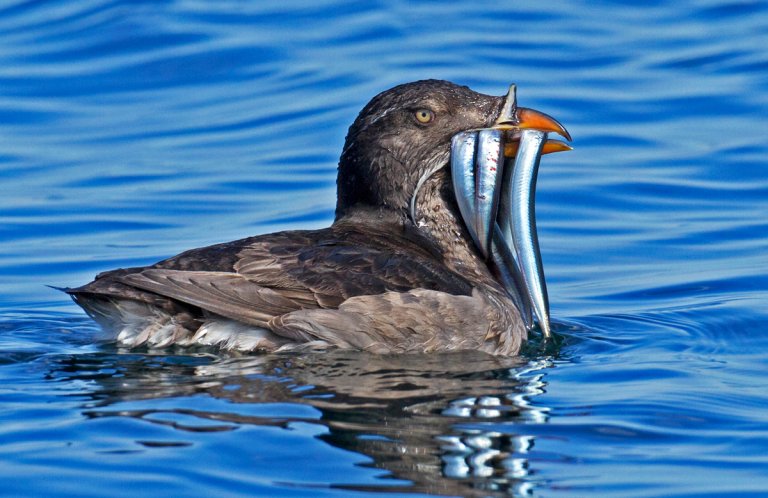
x: 390, y: 275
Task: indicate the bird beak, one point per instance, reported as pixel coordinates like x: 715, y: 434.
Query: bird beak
x: 494, y: 173
x: 550, y: 146
x: 513, y: 118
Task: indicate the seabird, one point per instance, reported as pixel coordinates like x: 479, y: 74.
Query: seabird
x: 396, y: 272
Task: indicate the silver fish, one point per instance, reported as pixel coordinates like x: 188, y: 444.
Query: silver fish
x: 477, y: 159
x: 517, y: 222
x: 463, y: 149
x: 496, y: 198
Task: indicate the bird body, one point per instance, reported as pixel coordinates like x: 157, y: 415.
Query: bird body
x: 371, y: 281
x: 396, y: 272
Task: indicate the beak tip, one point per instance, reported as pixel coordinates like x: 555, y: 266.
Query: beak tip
x: 530, y: 118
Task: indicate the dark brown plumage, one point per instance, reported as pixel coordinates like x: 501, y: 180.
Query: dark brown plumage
x: 375, y: 280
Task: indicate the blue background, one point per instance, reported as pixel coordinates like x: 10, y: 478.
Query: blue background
x: 132, y: 130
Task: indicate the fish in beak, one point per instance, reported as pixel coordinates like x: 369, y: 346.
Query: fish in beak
x: 494, y: 173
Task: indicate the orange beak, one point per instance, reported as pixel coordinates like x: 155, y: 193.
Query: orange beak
x: 550, y: 146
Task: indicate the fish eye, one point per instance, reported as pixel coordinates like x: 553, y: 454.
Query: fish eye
x: 424, y: 116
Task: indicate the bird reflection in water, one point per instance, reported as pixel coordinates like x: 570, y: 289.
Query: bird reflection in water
x: 449, y: 423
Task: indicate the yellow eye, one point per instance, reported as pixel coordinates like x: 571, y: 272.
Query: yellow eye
x: 424, y: 116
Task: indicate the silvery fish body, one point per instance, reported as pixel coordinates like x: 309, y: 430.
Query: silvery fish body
x: 496, y: 198
x: 517, y: 220
x: 477, y: 160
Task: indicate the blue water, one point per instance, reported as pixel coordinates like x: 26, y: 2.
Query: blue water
x: 132, y: 130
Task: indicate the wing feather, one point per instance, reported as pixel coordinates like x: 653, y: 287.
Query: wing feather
x: 226, y: 294
x: 258, y: 279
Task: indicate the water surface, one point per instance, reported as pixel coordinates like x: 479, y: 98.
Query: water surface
x: 134, y: 130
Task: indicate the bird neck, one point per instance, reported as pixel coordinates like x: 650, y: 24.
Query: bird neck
x: 437, y: 219
x: 437, y: 216
x: 370, y: 175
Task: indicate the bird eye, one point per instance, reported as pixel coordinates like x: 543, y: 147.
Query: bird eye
x: 424, y: 116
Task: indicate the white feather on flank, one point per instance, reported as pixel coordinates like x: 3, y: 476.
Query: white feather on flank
x: 229, y: 334
x: 134, y: 323
x: 137, y: 323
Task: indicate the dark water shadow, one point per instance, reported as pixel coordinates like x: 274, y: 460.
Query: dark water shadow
x: 450, y: 424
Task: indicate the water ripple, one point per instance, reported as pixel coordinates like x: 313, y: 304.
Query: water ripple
x: 134, y: 130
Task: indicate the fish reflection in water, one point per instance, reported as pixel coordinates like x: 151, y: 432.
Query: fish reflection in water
x: 409, y: 413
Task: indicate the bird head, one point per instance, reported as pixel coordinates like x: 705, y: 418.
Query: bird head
x: 405, y: 132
